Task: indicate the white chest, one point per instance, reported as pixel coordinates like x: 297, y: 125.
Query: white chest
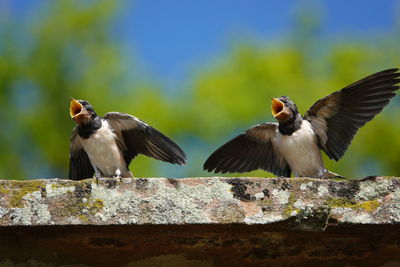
x: 103, y: 151
x: 301, y: 151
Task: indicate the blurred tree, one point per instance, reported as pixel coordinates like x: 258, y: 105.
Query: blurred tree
x: 69, y: 50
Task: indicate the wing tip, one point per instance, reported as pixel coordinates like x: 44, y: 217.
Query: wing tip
x: 391, y: 70
x: 181, y: 162
x: 180, y: 156
x: 207, y: 166
x: 386, y: 71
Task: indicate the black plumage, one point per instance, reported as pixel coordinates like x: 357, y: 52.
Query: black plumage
x: 344, y: 112
x: 130, y: 135
x: 250, y: 150
x: 330, y: 123
x: 140, y: 138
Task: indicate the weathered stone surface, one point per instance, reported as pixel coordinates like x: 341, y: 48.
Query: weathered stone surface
x: 200, y: 222
x: 310, y: 204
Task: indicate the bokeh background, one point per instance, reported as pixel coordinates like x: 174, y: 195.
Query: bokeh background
x: 199, y: 71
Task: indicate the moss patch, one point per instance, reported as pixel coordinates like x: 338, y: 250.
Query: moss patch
x: 56, y: 186
x: 290, y: 206
x: 77, y: 207
x: 96, y: 205
x: 17, y: 190
x: 370, y: 205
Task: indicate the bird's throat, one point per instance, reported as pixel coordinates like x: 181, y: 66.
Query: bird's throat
x: 290, y: 126
x: 86, y: 130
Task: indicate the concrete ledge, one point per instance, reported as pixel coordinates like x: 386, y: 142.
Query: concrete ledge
x: 200, y: 221
x: 309, y: 203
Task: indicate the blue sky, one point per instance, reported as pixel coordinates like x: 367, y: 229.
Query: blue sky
x: 170, y: 37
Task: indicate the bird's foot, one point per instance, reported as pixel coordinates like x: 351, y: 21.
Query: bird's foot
x: 97, y: 175
x: 118, y: 175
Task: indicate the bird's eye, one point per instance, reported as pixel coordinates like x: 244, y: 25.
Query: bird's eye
x: 84, y: 103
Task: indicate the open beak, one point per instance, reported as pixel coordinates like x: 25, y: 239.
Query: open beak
x: 75, y: 108
x: 276, y: 106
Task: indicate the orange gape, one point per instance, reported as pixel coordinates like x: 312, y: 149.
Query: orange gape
x: 279, y: 110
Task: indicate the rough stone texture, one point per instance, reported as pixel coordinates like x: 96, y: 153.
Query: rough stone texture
x: 314, y: 204
x: 201, y: 222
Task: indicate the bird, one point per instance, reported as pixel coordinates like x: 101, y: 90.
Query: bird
x: 105, y: 146
x: 294, y: 143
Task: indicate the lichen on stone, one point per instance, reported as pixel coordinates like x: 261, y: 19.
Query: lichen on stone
x: 239, y: 188
x: 290, y: 209
x: 18, y: 189
x: 281, y: 195
x: 372, y: 189
x: 212, y: 200
x: 81, y: 207
x: 228, y: 213
x: 369, y: 206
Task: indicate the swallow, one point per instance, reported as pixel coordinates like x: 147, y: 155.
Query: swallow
x: 294, y: 144
x: 105, y: 146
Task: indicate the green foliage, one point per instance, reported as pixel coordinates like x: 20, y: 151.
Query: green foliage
x: 68, y: 50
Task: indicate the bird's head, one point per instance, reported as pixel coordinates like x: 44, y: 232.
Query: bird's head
x: 283, y: 109
x: 81, y: 111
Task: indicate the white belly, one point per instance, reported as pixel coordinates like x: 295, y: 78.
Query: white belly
x: 301, y: 151
x: 103, y: 152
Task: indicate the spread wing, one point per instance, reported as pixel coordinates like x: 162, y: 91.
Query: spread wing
x: 254, y: 149
x: 136, y: 137
x: 79, y: 163
x: 337, y: 117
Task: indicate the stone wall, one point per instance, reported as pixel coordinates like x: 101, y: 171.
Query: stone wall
x: 200, y: 221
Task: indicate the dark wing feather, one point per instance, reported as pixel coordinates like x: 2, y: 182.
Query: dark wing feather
x: 136, y: 137
x: 251, y: 150
x: 79, y: 163
x: 337, y: 117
